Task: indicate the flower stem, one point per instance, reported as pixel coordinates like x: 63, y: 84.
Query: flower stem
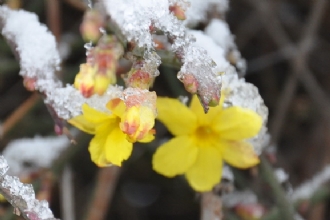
x: 285, y: 207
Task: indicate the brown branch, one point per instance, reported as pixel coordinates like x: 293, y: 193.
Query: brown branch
x: 19, y: 113
x: 54, y: 18
x: 78, y: 4
x: 299, y: 69
x: 104, y: 191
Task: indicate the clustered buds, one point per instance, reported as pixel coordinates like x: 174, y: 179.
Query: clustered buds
x: 99, y: 71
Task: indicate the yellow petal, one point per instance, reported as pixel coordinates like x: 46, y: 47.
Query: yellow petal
x: 206, y: 172
x: 97, y: 145
x: 117, y: 106
x: 203, y: 118
x: 236, y: 123
x: 94, y: 116
x: 117, y: 147
x: 81, y: 123
x: 175, y: 156
x: 176, y: 116
x: 239, y: 154
x: 149, y: 137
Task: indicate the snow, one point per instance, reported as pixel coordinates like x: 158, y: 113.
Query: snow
x: 197, y: 12
x: 39, y: 152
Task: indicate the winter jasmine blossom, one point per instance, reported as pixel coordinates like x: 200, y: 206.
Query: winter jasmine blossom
x: 115, y: 132
x: 203, y: 141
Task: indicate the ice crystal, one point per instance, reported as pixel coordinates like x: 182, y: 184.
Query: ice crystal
x: 22, y: 196
x: 3, y: 166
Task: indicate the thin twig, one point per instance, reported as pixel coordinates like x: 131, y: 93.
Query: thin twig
x: 53, y: 18
x: 67, y: 194
x: 299, y: 68
x: 104, y: 191
x: 78, y: 4
x: 22, y: 197
x: 19, y: 113
x: 285, y: 207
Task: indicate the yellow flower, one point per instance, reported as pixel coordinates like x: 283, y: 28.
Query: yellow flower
x: 110, y: 144
x: 203, y: 141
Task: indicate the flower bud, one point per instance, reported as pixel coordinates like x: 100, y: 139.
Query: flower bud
x: 90, y: 27
x: 178, y: 12
x: 84, y: 80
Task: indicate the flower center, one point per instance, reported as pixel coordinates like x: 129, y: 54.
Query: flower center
x: 204, y: 132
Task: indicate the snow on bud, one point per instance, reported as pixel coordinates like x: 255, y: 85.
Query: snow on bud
x: 90, y: 27
x: 190, y: 83
x: 142, y: 74
x: 178, y: 12
x: 137, y: 78
x: 139, y: 113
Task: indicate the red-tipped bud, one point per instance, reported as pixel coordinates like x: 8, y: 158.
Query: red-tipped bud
x: 90, y: 27
x: 178, y: 12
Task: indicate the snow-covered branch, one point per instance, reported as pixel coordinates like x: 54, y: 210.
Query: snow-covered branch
x: 22, y: 196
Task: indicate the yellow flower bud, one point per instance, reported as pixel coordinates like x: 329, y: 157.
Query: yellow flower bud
x: 101, y: 83
x: 137, y: 122
x: 84, y: 80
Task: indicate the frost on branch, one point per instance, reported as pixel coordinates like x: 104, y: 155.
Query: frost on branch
x: 138, y: 20
x: 307, y: 189
x: 36, y: 50
x: 22, y: 196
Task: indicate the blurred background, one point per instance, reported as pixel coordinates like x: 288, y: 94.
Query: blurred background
x: 286, y: 44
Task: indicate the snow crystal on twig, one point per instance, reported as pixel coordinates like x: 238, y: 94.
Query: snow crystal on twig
x: 39, y: 59
x: 307, y: 189
x: 137, y: 20
x: 22, y: 196
x: 35, y: 45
